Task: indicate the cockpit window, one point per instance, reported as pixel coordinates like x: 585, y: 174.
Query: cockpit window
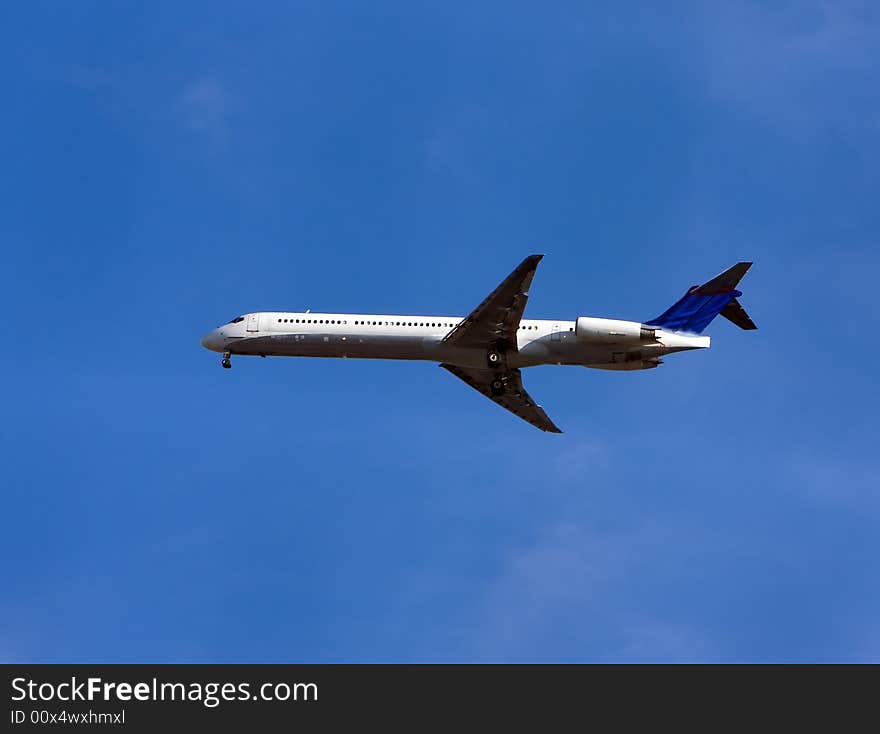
x: 237, y: 319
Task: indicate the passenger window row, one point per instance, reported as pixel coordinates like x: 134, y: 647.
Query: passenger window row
x: 375, y: 323
x: 404, y: 323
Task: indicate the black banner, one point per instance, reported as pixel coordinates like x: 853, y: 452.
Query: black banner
x: 242, y: 697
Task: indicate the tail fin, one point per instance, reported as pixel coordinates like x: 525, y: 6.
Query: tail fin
x: 702, y: 303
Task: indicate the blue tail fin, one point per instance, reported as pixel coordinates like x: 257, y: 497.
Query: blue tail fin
x: 695, y: 310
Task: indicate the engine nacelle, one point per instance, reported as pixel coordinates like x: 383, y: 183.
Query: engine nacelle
x: 612, y: 331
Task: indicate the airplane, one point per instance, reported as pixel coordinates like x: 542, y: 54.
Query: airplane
x: 488, y: 348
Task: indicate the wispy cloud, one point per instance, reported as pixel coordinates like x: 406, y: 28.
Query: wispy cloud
x: 571, y: 463
x: 867, y: 644
x: 837, y: 481
x: 569, y: 595
x: 204, y: 105
x: 805, y: 66
x: 654, y: 641
x: 568, y: 568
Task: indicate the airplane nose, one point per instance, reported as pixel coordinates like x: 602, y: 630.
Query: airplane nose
x: 212, y: 341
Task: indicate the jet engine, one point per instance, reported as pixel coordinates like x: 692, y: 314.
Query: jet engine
x: 612, y: 331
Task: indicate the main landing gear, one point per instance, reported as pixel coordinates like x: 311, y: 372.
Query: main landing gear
x: 493, y: 358
x: 227, y: 363
x: 497, y: 387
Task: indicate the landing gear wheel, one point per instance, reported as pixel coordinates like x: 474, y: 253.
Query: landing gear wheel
x: 227, y: 364
x: 497, y: 387
x: 493, y: 358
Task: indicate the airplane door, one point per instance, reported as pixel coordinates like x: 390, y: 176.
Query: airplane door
x: 253, y: 322
x: 555, y: 335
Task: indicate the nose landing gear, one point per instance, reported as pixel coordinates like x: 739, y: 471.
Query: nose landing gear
x: 227, y: 364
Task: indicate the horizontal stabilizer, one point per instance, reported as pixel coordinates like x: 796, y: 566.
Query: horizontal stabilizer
x: 736, y: 314
x: 726, y: 282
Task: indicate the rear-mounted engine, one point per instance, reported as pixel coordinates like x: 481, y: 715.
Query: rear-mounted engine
x: 612, y: 331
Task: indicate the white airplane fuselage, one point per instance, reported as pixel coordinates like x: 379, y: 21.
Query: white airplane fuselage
x: 488, y: 348
x: 590, y: 342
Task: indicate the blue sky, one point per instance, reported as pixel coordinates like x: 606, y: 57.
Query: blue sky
x: 166, y: 167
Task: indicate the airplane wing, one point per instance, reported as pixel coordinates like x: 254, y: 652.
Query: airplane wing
x: 504, y: 386
x: 494, y: 323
